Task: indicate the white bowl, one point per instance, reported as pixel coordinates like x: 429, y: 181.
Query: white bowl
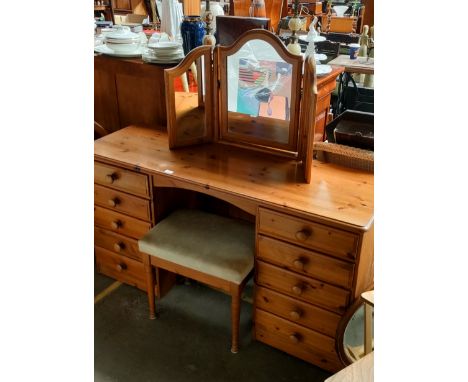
x: 123, y: 47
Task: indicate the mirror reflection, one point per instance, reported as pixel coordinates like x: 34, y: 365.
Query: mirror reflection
x: 189, y: 95
x: 259, y: 93
x: 354, y: 335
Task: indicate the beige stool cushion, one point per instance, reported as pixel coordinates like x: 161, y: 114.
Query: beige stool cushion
x: 205, y: 242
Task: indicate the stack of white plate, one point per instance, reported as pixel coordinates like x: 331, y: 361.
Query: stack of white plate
x: 122, y: 40
x: 164, y: 52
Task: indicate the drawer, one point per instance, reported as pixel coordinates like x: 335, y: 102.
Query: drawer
x: 120, y: 268
x: 296, y: 340
x: 120, y: 223
x: 323, y: 104
x: 306, y: 262
x: 326, y: 89
x: 300, y: 287
x: 297, y: 311
x: 124, y: 180
x: 308, y: 234
x: 122, y: 202
x: 116, y: 243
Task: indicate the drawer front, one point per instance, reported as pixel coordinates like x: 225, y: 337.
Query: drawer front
x: 120, y: 223
x: 296, y: 340
x: 124, y: 180
x: 122, y: 202
x: 308, y: 234
x: 303, y: 288
x: 118, y: 244
x: 306, y: 262
x: 121, y: 268
x: 326, y: 89
x: 323, y: 104
x: 297, y: 311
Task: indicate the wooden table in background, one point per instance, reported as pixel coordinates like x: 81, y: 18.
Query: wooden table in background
x: 360, y: 65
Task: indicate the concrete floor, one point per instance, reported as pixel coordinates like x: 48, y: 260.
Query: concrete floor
x: 189, y: 342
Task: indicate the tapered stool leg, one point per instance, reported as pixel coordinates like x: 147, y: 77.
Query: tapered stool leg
x: 235, y: 318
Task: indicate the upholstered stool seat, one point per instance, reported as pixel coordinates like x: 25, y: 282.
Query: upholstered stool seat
x: 212, y: 249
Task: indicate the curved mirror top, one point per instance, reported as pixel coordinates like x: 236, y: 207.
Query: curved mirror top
x: 259, y: 91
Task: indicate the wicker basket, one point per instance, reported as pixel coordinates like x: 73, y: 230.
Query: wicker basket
x: 345, y: 156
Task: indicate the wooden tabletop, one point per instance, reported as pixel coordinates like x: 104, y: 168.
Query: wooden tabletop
x: 335, y: 193
x: 359, y: 371
x: 359, y: 65
x: 336, y: 70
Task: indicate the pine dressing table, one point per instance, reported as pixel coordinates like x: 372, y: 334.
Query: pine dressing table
x: 314, y: 242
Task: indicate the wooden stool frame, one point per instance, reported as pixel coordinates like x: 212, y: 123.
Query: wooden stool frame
x: 233, y: 289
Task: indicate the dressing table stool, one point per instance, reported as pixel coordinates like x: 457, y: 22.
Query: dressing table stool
x: 208, y: 248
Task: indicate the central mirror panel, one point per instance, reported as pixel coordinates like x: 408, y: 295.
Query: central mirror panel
x: 259, y: 104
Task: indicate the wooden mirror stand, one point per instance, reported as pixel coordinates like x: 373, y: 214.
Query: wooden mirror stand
x: 253, y: 94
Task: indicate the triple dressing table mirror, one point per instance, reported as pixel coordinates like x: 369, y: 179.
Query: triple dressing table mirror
x: 254, y: 94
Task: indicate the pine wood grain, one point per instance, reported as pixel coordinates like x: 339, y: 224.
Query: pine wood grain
x: 336, y: 195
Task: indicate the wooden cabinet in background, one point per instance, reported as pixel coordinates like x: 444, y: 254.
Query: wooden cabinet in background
x: 128, y: 91
x: 122, y: 5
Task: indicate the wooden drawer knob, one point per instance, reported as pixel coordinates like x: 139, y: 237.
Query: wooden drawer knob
x: 298, y: 264
x: 111, y: 177
x: 295, y: 314
x: 303, y: 234
x: 119, y: 246
x: 297, y: 289
x: 113, y: 202
x: 121, y: 267
x: 294, y: 337
x: 116, y: 224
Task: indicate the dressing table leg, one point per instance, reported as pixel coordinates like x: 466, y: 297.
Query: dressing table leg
x: 150, y: 287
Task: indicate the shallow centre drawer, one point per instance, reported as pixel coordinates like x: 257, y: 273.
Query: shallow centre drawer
x: 121, y: 179
x: 120, y: 223
x: 303, y: 288
x: 122, y: 202
x: 297, y: 311
x: 305, y: 261
x: 309, y: 234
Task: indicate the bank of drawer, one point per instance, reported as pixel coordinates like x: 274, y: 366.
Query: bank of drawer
x: 301, y: 313
x: 122, y: 202
x: 304, y: 288
x: 121, y: 179
x: 120, y: 268
x: 120, y: 223
x: 119, y: 244
x: 308, y: 234
x: 296, y: 340
x: 306, y: 262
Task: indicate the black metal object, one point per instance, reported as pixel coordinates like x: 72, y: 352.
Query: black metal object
x: 352, y: 97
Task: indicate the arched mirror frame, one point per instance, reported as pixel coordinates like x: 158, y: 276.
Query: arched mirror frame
x: 292, y: 147
x: 204, y: 74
